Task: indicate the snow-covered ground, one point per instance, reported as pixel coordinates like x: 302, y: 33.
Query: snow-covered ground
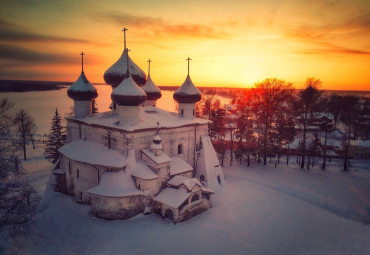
x: 259, y: 210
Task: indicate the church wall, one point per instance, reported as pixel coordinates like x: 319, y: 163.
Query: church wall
x: 120, y: 140
x: 151, y: 186
x: 116, y: 207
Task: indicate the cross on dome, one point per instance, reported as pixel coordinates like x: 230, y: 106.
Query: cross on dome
x: 124, y: 35
x: 82, y: 60
x: 158, y: 127
x: 188, y: 59
x: 149, y: 61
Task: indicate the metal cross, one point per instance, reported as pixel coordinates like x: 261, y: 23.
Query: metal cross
x: 188, y: 59
x: 157, y: 127
x: 149, y: 61
x: 124, y: 34
x: 82, y: 62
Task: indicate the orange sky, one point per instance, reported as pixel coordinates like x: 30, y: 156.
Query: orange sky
x: 232, y: 43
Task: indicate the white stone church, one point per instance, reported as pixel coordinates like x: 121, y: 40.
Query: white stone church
x: 137, y: 158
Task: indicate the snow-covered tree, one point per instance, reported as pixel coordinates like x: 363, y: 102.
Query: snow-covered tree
x: 56, y: 139
x: 25, y: 129
x: 18, y: 200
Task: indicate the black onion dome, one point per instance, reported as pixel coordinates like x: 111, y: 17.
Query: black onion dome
x: 157, y: 139
x: 82, y: 89
x: 128, y: 93
x: 187, y: 93
x: 115, y: 74
x: 151, y: 90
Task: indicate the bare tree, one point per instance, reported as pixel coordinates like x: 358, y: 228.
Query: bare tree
x: 25, y: 128
x: 18, y: 200
x: 268, y: 98
x: 304, y: 110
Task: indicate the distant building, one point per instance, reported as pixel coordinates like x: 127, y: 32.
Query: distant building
x: 138, y: 158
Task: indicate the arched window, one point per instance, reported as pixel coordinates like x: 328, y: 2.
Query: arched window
x: 195, y: 198
x: 179, y: 149
x: 218, y: 179
x: 202, y: 179
x: 182, y: 111
x: 78, y: 173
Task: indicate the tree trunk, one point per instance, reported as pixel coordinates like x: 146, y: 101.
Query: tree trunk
x: 326, y: 138
x: 303, y: 147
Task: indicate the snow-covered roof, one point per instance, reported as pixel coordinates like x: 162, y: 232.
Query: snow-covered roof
x: 147, y: 119
x: 208, y: 164
x: 191, y: 182
x: 115, y: 184
x: 142, y: 171
x: 93, y: 153
x: 187, y: 92
x: 178, y: 166
x: 82, y: 89
x: 176, y: 180
x: 361, y: 143
x: 115, y: 74
x: 128, y: 93
x: 172, y: 197
x: 151, y: 90
x: 160, y: 159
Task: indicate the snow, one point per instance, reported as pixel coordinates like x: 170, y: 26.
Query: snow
x: 260, y: 210
x: 172, y: 197
x: 82, y: 85
x: 115, y: 184
x: 160, y: 159
x: 59, y: 171
x: 120, y: 67
x: 208, y: 165
x: 150, y: 87
x: 179, y: 166
x: 361, y: 143
x: 187, y: 88
x: 144, y: 172
x: 191, y: 182
x: 93, y: 153
x: 128, y: 87
x: 176, y: 180
x: 147, y: 119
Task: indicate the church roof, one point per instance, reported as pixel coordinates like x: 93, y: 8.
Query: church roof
x: 172, y: 197
x: 151, y: 90
x: 93, y: 153
x: 187, y: 92
x: 178, y: 166
x: 82, y: 89
x: 142, y: 171
x: 116, y: 73
x: 115, y: 184
x: 128, y: 93
x: 160, y: 159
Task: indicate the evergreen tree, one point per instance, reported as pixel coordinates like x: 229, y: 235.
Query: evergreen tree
x: 56, y: 139
x: 94, y: 107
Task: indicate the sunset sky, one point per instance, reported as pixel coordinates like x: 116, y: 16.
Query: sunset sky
x: 231, y: 43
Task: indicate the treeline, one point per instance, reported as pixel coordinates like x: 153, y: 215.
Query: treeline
x: 264, y: 120
x: 24, y: 86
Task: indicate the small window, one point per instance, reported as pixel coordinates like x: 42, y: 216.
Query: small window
x: 179, y: 149
x: 78, y: 173
x: 195, y: 198
x: 202, y: 179
x: 182, y: 111
x: 218, y: 179
x: 193, y: 112
x: 69, y: 167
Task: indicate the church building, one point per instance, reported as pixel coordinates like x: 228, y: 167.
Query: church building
x: 137, y: 158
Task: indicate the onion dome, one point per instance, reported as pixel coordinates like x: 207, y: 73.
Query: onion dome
x: 82, y: 89
x: 128, y: 93
x: 151, y: 90
x: 187, y: 93
x: 156, y: 145
x: 115, y: 74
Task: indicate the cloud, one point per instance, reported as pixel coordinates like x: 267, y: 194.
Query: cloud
x: 331, y: 49
x: 158, y: 27
x: 25, y: 55
x: 12, y: 33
